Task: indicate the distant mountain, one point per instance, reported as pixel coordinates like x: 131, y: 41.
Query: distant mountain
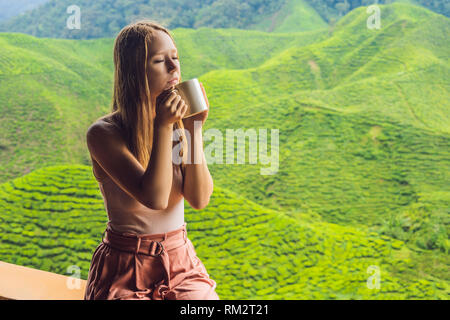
x: 104, y: 18
x: 332, y: 10
x: 54, y: 218
x: 9, y: 9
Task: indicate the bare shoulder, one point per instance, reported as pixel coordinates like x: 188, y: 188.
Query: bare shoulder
x: 106, y: 146
x: 103, y: 129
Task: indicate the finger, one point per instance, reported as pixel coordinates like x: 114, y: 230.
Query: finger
x: 173, y: 95
x: 163, y: 99
x: 181, y: 105
x: 203, y: 88
x: 175, y: 104
x: 180, y: 109
x: 174, y: 99
x: 164, y: 95
x: 204, y: 94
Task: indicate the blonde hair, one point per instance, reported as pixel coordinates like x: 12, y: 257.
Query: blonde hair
x: 132, y: 108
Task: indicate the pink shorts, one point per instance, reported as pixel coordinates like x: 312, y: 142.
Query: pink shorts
x: 160, y: 266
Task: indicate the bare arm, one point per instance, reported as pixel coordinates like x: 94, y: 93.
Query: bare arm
x: 198, y: 185
x: 157, y: 179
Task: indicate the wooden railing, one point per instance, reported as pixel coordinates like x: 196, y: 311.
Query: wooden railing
x: 23, y: 283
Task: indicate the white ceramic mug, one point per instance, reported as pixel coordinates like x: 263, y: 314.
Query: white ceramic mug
x: 191, y: 92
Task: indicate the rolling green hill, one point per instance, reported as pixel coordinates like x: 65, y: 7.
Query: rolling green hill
x: 363, y: 119
x: 53, y: 218
x: 363, y: 126
x: 352, y: 115
x: 293, y: 16
x: 48, y: 90
x: 53, y: 89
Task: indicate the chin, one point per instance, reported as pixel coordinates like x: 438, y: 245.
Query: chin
x: 169, y: 86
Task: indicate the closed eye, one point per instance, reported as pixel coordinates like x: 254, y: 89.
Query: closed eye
x: 163, y: 60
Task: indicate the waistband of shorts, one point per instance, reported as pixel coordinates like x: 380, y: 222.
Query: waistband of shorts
x: 147, y: 244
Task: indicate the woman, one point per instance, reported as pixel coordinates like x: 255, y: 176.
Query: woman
x: 145, y: 252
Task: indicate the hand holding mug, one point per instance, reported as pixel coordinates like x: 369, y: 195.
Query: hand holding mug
x: 170, y: 108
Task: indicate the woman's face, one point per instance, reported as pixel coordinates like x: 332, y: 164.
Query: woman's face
x: 163, y: 64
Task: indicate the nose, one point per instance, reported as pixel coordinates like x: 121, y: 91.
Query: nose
x: 172, y: 65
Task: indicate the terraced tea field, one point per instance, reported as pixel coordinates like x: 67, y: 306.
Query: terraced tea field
x: 53, y: 218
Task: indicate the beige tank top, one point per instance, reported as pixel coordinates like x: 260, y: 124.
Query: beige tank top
x: 127, y: 215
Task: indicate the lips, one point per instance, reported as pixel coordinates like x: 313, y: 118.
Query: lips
x: 173, y: 81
